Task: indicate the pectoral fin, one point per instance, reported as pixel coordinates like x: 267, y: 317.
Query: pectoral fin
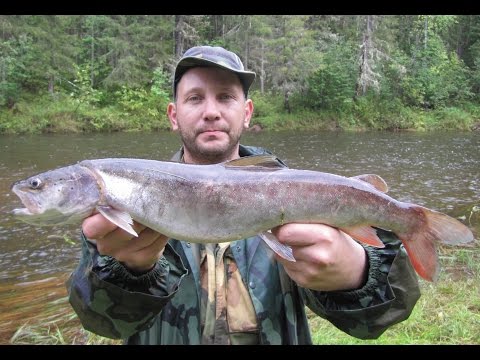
x: 121, y: 219
x: 282, y: 250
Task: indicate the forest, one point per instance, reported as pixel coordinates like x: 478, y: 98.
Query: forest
x: 85, y: 73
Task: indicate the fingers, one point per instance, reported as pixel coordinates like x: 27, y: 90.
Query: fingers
x: 146, y: 248
x: 111, y: 239
x: 136, y: 253
x: 304, y: 234
x: 315, y: 244
x: 145, y: 239
x: 139, y: 254
x: 97, y: 226
x: 120, y: 235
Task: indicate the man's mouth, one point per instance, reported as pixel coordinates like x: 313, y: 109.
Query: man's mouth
x: 211, y: 131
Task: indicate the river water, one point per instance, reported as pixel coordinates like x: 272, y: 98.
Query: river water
x: 438, y: 170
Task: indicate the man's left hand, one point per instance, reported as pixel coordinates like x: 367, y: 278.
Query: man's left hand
x: 327, y: 259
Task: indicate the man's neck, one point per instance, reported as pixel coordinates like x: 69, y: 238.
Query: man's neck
x: 189, y: 158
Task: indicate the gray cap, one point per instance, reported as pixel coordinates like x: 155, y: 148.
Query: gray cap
x: 212, y: 56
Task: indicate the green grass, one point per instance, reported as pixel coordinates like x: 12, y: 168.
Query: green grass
x: 448, y: 312
x: 53, y: 334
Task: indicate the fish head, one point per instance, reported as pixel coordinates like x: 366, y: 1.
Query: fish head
x: 61, y: 196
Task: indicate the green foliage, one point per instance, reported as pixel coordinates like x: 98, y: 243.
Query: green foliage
x: 64, y: 115
x: 372, y: 112
x: 9, y: 93
x: 436, y: 79
x: 265, y: 104
x: 453, y: 118
x: 333, y: 84
x: 146, y: 110
x: 475, y: 77
x: 116, y: 69
x: 82, y: 91
x: 14, y: 58
x: 160, y: 84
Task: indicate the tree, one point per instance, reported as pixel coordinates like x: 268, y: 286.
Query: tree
x: 291, y: 56
x: 367, y: 76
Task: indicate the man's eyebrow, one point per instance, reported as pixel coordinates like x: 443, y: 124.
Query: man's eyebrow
x: 193, y: 89
x: 223, y: 88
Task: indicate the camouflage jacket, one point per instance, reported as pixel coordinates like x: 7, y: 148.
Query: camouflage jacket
x: 163, y: 305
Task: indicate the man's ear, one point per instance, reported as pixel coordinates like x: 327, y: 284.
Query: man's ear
x: 248, y: 113
x: 172, y: 115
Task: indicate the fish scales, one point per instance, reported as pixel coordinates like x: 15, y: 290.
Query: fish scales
x: 212, y: 200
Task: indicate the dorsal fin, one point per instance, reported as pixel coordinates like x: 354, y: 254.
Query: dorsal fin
x: 169, y: 174
x: 265, y: 161
x: 376, y: 181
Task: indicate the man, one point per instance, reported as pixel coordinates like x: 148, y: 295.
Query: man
x: 154, y: 290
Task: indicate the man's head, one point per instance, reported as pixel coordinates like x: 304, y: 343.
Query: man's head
x: 212, y: 56
x: 210, y: 110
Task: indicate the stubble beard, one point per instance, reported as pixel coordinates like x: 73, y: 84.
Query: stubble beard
x: 206, y: 154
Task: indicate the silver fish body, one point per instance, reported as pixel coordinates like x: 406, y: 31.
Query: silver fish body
x: 234, y: 200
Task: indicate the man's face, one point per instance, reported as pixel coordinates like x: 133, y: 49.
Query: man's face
x: 210, y: 114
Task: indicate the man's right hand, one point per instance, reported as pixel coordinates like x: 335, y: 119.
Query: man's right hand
x: 138, y: 254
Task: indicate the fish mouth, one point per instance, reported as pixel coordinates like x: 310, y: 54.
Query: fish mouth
x: 31, y: 206
x: 44, y: 218
x: 21, y: 212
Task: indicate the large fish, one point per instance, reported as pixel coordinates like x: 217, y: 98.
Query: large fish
x: 234, y: 200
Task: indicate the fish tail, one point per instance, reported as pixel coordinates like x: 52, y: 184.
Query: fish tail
x: 432, y: 228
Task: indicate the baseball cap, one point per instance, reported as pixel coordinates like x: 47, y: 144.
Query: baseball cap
x: 212, y: 56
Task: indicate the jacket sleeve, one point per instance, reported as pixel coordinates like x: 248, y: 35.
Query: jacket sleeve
x: 388, y: 297
x: 112, y: 302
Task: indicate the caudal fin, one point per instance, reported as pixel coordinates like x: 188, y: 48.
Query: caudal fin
x: 435, y: 228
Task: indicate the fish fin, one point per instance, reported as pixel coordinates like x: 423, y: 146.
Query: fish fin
x: 365, y: 234
x: 434, y: 227
x: 266, y: 161
x: 280, y: 249
x: 423, y: 256
x: 374, y: 180
x: 119, y: 218
x: 169, y: 174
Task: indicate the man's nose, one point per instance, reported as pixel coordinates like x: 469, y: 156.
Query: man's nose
x: 211, y: 111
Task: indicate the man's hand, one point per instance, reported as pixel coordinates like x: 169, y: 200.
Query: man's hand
x: 138, y: 254
x: 327, y: 258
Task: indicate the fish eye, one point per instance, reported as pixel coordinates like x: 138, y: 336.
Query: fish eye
x: 36, y: 183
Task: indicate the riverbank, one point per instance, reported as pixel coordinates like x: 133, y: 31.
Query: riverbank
x: 64, y: 115
x: 37, y: 312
